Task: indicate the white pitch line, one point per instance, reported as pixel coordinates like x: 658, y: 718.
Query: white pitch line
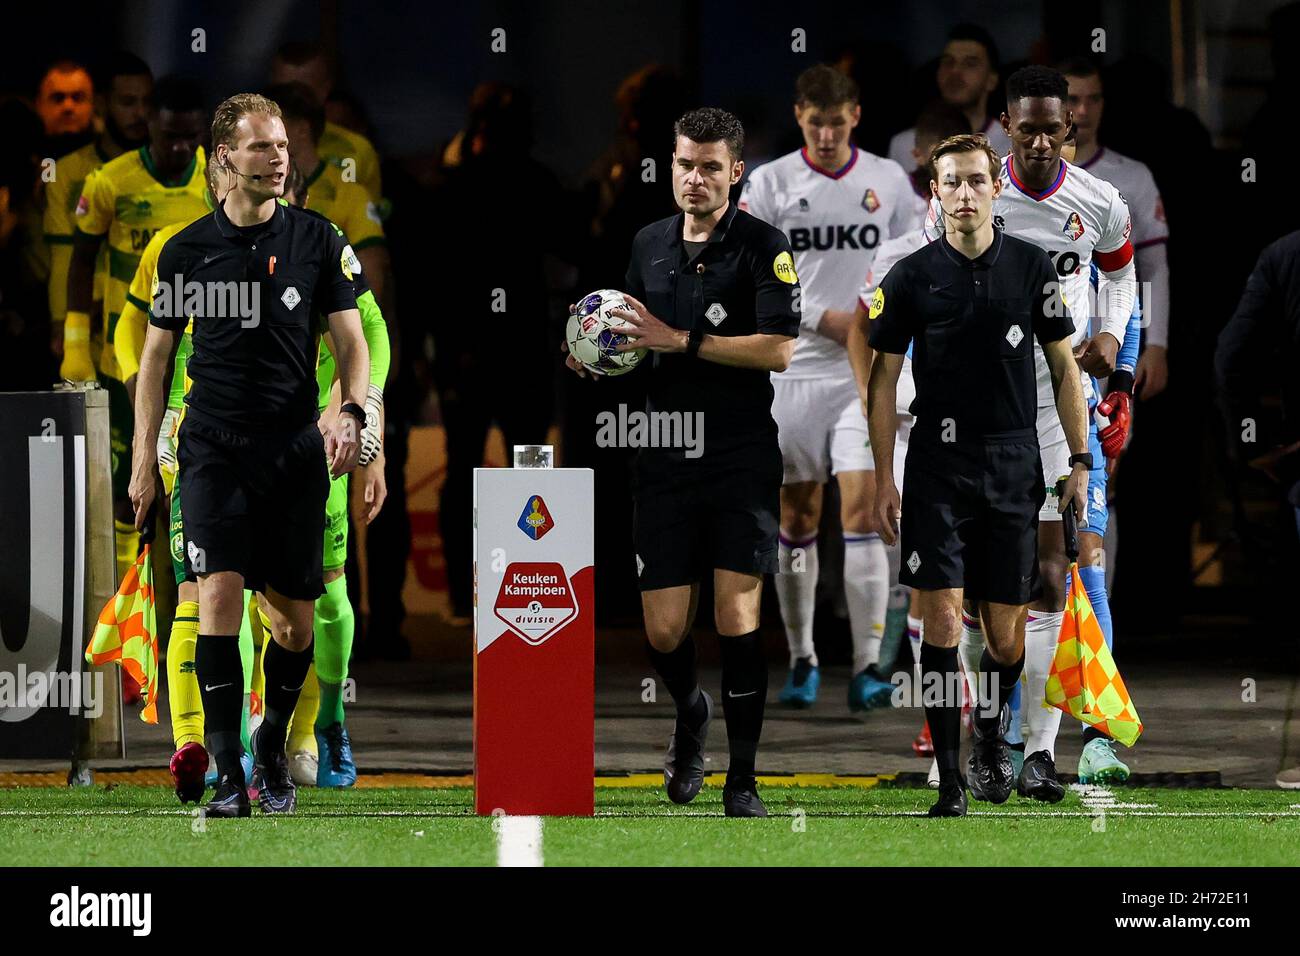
x: 616, y: 815
x: 519, y: 841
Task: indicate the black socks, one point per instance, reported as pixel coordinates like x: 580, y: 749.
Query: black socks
x: 677, y: 670
x: 997, y: 685
x: 939, y: 676
x: 744, y: 694
x: 285, y: 672
x: 221, y: 688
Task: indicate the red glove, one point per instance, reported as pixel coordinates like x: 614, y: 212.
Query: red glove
x: 1118, y: 407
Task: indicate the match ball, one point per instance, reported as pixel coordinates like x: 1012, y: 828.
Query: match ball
x: 591, y: 338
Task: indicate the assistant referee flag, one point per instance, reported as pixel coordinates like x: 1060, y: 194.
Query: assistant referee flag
x: 127, y: 632
x: 1084, y: 681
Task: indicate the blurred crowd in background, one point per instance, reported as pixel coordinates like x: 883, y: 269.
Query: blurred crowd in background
x: 487, y: 245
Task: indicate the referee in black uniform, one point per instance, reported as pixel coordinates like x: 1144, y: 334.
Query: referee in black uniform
x: 971, y: 305
x: 716, y: 299
x: 254, y: 466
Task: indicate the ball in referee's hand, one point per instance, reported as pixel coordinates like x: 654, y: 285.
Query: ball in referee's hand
x: 591, y: 336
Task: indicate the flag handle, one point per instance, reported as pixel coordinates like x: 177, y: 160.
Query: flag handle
x: 150, y: 519
x: 1069, y: 525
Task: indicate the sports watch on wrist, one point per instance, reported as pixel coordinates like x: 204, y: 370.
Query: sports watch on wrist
x: 1084, y: 458
x: 356, y: 411
x: 694, y: 339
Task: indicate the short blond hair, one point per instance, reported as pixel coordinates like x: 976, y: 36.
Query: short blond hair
x: 233, y: 109
x: 964, y: 143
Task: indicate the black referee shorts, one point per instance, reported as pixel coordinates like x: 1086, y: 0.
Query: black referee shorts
x: 689, y: 520
x: 970, y: 517
x: 255, y: 505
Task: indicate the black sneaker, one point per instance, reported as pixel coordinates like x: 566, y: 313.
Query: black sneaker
x: 952, y: 797
x: 684, y: 763
x: 989, y: 769
x: 230, y: 800
x: 1038, y: 778
x: 275, y: 790
x: 740, y: 799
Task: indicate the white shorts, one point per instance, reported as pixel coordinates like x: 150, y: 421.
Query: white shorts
x: 1055, y: 455
x: 822, y: 429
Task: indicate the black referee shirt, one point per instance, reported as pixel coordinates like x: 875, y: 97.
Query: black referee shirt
x: 971, y: 324
x: 253, y: 371
x: 741, y: 283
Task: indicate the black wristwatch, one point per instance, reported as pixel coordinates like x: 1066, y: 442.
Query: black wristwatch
x: 694, y: 339
x: 356, y: 411
x: 1084, y: 459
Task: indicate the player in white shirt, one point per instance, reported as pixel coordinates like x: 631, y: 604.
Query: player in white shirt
x: 836, y: 203
x: 966, y: 76
x: 1150, y: 230
x: 1079, y: 220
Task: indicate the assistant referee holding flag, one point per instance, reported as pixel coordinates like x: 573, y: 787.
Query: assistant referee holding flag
x: 720, y: 312
x: 971, y: 305
x: 254, y: 466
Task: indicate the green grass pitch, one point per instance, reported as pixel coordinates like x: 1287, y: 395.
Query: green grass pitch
x: 878, y: 826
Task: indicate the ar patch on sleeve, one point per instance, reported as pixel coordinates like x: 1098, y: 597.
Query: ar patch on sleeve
x: 783, y: 266
x: 877, y: 303
x: 350, y: 263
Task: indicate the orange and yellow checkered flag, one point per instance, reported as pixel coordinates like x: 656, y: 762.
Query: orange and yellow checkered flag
x: 127, y: 632
x: 1084, y: 681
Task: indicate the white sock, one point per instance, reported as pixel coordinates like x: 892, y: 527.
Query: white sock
x: 914, y: 630
x: 866, y: 591
x: 971, y: 649
x: 796, y: 593
x: 1041, y: 631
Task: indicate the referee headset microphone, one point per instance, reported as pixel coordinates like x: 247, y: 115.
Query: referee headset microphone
x: 228, y: 165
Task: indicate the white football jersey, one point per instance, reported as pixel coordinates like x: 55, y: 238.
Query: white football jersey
x: 1077, y: 219
x: 834, y: 221
x: 902, y: 144
x: 1135, y: 183
x: 889, y: 253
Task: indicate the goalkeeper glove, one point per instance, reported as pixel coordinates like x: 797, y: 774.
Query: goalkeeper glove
x: 372, y: 438
x: 1117, y: 407
x: 77, y: 365
x: 167, y: 463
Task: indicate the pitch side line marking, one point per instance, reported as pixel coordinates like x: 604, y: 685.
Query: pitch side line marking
x: 519, y: 840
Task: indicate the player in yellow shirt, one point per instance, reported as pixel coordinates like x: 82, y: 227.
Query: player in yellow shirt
x: 346, y: 150
x: 124, y: 93
x: 123, y: 204
x: 343, y: 203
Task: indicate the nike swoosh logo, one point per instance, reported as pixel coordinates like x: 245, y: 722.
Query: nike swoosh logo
x: 748, y: 693
x: 937, y: 288
x: 212, y: 687
x: 207, y: 259
x: 657, y: 261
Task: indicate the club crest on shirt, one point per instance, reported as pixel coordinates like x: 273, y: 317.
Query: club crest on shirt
x: 870, y: 202
x: 1074, y: 226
